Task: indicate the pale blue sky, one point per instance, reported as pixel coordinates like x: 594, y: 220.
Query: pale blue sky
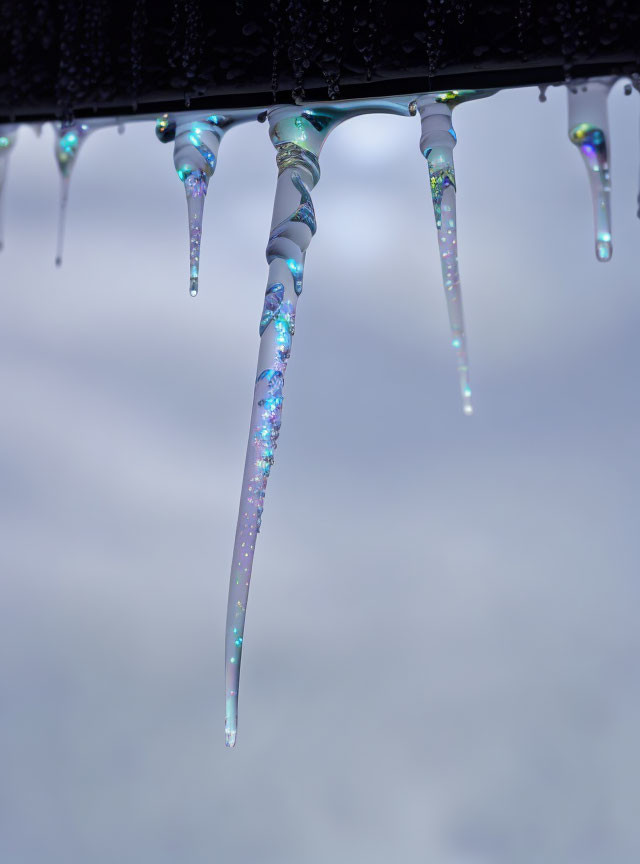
x: 442, y: 645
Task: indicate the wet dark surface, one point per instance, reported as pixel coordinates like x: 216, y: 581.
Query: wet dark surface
x: 99, y: 57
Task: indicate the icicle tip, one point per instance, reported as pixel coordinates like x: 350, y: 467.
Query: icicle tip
x: 604, y: 250
x: 230, y: 736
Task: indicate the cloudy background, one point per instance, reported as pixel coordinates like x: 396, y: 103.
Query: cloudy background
x: 441, y: 661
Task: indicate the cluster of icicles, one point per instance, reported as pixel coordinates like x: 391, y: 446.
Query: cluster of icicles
x: 298, y: 134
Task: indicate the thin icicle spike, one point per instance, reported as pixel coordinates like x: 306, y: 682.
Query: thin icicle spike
x: 298, y: 136
x: 7, y: 140
x: 589, y: 131
x: 437, y: 141
x: 195, y: 156
x: 69, y: 138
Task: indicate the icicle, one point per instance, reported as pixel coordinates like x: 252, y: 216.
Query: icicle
x: 7, y: 140
x: 437, y: 141
x: 69, y: 139
x: 589, y: 131
x: 436, y: 144
x: 197, y: 140
x: 298, y: 137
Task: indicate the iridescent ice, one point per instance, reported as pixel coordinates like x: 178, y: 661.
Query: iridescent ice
x: 589, y: 131
x: 298, y: 136
x: 437, y: 141
x: 197, y: 139
x: 7, y: 140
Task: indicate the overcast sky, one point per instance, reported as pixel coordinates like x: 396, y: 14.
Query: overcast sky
x: 441, y: 655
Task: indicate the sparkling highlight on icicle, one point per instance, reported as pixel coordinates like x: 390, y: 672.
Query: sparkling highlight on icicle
x: 589, y: 131
x: 436, y: 143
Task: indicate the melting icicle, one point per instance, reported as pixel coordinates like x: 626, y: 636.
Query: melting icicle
x: 298, y: 137
x: 589, y: 131
x: 197, y: 141
x: 437, y: 141
x: 7, y: 140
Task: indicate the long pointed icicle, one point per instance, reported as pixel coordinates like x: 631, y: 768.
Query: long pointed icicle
x: 436, y: 144
x: 298, y: 136
x: 195, y: 155
x: 7, y: 140
x: 589, y: 131
x: 293, y: 225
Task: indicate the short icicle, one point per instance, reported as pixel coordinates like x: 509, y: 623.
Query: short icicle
x: 589, y: 131
x: 437, y: 141
x: 197, y: 138
x: 7, y: 140
x: 69, y: 139
x: 298, y: 136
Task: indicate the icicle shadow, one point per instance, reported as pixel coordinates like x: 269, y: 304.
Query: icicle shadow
x: 298, y: 136
x: 589, y: 131
x: 437, y: 141
x: 8, y: 134
x: 197, y: 140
